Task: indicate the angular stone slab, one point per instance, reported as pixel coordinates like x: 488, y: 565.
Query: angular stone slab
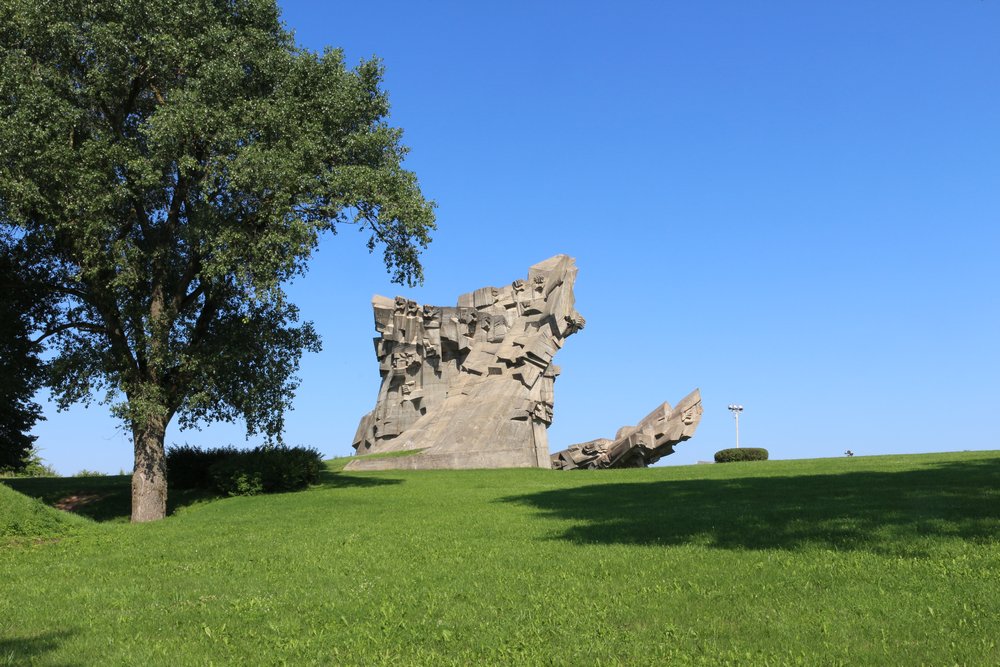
x: 637, y: 446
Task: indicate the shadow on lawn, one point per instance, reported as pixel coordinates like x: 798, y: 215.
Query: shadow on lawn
x: 110, y: 498
x: 878, y: 511
x: 341, y: 480
x: 24, y: 650
x: 107, y: 498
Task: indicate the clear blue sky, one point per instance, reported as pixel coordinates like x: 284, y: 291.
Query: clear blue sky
x: 794, y: 206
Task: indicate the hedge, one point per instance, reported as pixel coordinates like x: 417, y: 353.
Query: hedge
x: 741, y: 454
x: 187, y: 465
x: 237, y: 472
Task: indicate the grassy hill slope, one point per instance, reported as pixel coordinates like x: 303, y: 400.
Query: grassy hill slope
x: 869, y: 560
x: 23, y: 517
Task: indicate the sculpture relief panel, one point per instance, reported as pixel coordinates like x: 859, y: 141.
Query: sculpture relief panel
x: 471, y: 386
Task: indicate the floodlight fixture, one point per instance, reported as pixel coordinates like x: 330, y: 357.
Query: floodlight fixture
x: 736, y: 410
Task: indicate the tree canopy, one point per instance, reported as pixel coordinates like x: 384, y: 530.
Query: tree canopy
x: 171, y: 166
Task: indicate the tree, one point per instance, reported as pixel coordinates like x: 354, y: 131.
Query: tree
x: 20, y: 369
x: 172, y: 165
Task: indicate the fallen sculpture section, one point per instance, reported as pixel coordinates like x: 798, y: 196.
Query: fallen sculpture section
x: 637, y: 446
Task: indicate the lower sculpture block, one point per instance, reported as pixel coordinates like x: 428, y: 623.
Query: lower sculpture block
x: 637, y: 446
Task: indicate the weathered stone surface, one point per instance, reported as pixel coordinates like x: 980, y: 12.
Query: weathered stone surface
x: 637, y: 446
x: 471, y: 386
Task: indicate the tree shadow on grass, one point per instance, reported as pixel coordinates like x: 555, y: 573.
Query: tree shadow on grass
x: 25, y: 650
x: 887, y: 512
x: 107, y: 498
x: 341, y: 480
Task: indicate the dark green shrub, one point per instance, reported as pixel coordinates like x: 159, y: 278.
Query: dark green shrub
x: 236, y: 476
x: 741, y: 454
x: 238, y: 472
x: 187, y: 465
x: 266, y: 470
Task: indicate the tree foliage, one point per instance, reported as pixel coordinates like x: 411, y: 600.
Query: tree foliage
x: 172, y: 165
x: 20, y: 368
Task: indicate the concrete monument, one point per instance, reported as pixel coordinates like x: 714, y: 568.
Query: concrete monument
x: 637, y: 446
x: 470, y: 386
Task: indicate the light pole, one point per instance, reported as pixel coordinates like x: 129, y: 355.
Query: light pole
x: 736, y: 410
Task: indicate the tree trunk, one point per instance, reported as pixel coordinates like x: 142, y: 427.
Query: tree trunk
x: 149, y: 481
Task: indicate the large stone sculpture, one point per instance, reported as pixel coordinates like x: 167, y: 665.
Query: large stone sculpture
x: 470, y: 386
x: 640, y: 445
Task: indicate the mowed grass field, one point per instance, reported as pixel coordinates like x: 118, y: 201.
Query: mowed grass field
x: 857, y: 561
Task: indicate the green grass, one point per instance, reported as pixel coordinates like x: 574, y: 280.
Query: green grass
x: 105, y: 498
x: 855, y: 561
x: 28, y: 518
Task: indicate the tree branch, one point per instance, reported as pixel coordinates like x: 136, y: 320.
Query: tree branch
x: 143, y: 218
x: 179, y: 377
x: 109, y: 312
x: 133, y: 92
x: 62, y: 289
x: 83, y: 326
x: 185, y: 301
x: 179, y: 195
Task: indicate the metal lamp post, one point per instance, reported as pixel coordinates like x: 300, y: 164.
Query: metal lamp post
x: 736, y: 410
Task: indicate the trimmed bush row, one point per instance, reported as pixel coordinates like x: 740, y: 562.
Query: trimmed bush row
x: 188, y: 466
x: 238, y: 472
x: 741, y: 454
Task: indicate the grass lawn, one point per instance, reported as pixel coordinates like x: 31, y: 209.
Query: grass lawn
x: 854, y: 561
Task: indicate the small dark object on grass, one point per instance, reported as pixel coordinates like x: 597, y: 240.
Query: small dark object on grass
x: 740, y: 454
x: 848, y: 453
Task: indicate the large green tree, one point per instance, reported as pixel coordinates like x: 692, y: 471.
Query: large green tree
x: 171, y: 165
